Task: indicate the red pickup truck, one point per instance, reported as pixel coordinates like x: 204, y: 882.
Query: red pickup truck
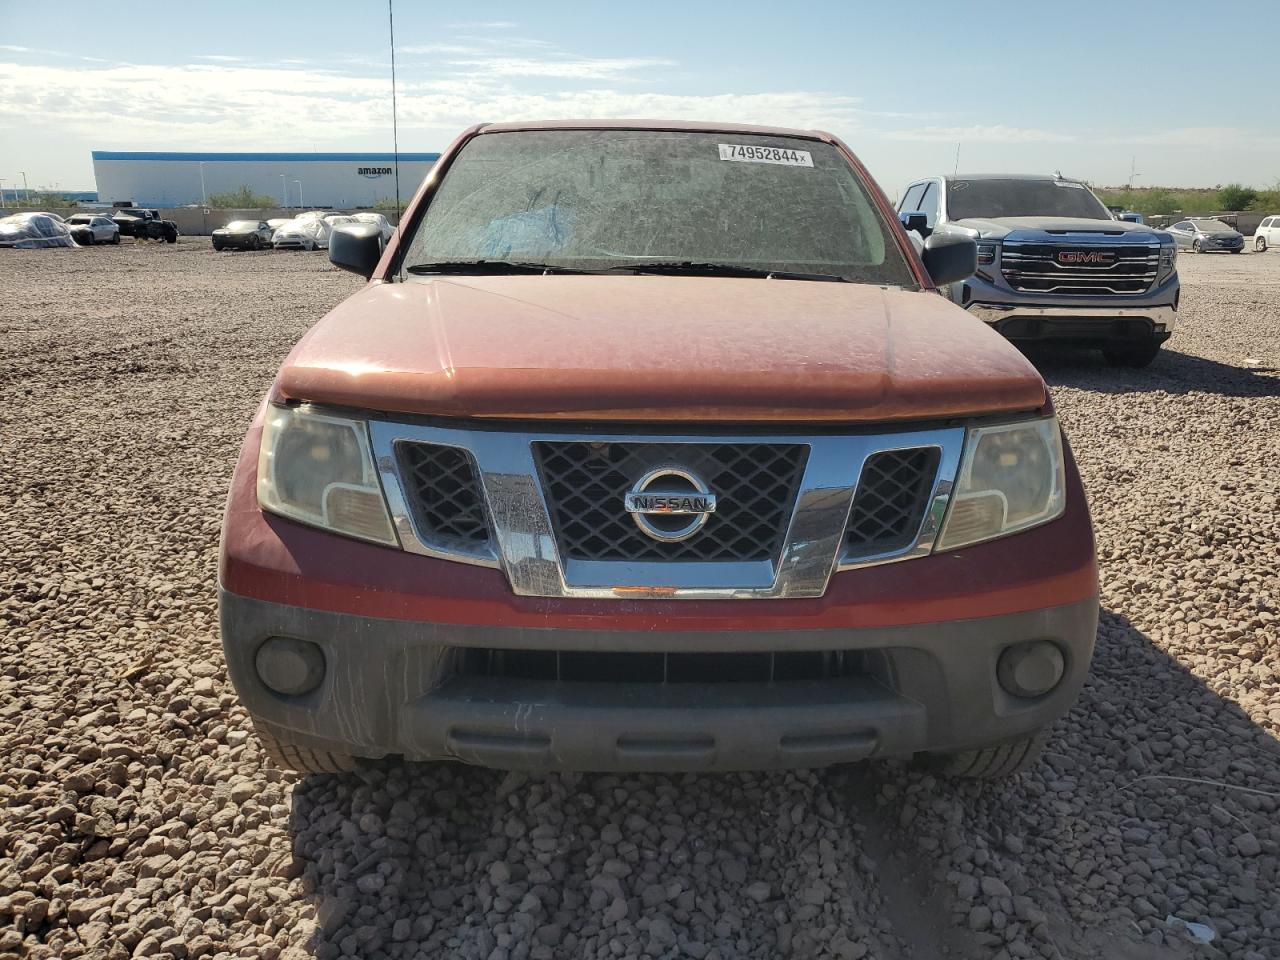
x: 652, y: 446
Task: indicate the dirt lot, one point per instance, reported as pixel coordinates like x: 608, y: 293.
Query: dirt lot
x: 139, y: 819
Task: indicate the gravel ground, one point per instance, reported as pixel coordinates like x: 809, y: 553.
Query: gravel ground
x: 140, y: 820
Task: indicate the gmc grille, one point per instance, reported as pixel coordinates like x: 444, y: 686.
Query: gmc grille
x: 1100, y: 269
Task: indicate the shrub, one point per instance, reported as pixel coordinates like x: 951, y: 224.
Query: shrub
x: 242, y: 199
x: 1235, y: 196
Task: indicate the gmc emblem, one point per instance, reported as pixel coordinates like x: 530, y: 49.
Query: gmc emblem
x: 1086, y: 256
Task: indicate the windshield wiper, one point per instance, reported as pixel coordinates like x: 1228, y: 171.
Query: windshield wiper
x: 490, y: 266
x: 697, y: 268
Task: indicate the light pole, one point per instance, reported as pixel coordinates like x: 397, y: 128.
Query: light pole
x: 300, y: 203
x: 284, y: 191
x: 204, y: 197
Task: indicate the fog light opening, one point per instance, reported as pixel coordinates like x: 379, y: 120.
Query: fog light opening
x: 1030, y: 669
x: 290, y: 666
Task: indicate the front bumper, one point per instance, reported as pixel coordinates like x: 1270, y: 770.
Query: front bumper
x: 395, y: 629
x: 1080, y: 324
x: 1096, y: 320
x: 394, y: 687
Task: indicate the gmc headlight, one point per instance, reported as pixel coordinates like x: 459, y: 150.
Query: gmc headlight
x: 1168, y: 256
x: 1011, y: 478
x: 318, y: 469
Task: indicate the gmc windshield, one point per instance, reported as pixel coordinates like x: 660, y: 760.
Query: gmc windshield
x: 682, y: 201
x: 990, y: 198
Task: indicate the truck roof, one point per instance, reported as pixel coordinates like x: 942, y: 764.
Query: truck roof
x: 691, y: 125
x: 1009, y: 176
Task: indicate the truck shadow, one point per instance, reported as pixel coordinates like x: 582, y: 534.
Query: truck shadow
x: 1171, y: 372
x: 1144, y: 805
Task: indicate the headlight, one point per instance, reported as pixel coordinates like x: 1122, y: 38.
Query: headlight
x: 1168, y: 255
x: 318, y: 469
x: 1011, y: 478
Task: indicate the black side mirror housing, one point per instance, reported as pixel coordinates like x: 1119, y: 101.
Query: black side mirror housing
x: 356, y: 247
x: 916, y: 222
x: 950, y: 257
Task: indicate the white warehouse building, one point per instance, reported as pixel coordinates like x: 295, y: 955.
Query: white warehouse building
x: 291, y: 179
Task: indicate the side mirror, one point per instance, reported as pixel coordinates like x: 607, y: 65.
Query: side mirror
x: 916, y: 222
x: 356, y: 247
x: 950, y: 257
x: 1131, y: 217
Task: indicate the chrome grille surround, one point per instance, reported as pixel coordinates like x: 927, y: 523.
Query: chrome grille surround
x: 1032, y: 267
x: 524, y: 543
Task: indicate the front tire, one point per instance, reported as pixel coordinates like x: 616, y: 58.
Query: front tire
x: 990, y: 763
x: 1127, y: 354
x: 1195, y: 247
x: 1260, y: 244
x: 115, y: 239
x: 304, y: 760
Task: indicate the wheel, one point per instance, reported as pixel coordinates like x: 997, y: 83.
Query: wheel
x: 302, y: 759
x: 115, y: 238
x: 1128, y: 354
x: 1260, y: 244
x: 170, y: 235
x: 990, y: 763
x: 1195, y: 246
x: 88, y: 239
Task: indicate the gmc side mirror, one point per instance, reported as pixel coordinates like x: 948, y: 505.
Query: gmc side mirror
x: 917, y: 222
x: 950, y: 257
x: 356, y: 247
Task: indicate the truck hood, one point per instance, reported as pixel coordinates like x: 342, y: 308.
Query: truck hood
x: 997, y: 228
x: 646, y: 348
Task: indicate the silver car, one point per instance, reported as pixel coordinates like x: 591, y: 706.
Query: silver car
x: 91, y: 228
x: 1204, y: 236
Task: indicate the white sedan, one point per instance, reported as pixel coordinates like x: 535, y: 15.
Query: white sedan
x: 1267, y: 235
x: 310, y: 231
x: 378, y: 220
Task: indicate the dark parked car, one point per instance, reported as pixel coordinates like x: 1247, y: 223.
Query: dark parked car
x: 145, y: 224
x: 91, y: 228
x: 1202, y: 236
x: 243, y: 235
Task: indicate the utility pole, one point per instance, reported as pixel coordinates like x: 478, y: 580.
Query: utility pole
x: 284, y: 191
x: 300, y: 203
x: 1, y: 193
x: 204, y: 197
x: 957, y: 168
x: 1133, y: 165
x: 26, y: 193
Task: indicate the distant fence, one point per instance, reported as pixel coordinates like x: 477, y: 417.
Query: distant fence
x: 202, y: 221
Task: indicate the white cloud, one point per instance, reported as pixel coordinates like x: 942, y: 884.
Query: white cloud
x: 997, y: 133
x: 234, y: 107
x: 220, y: 58
x: 596, y: 68
x: 484, y: 25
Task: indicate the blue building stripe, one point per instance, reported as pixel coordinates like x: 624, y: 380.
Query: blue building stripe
x: 261, y: 157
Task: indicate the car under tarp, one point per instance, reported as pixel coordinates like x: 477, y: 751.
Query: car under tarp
x: 28, y: 231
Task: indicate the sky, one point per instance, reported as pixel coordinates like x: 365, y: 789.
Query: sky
x: 1162, y: 90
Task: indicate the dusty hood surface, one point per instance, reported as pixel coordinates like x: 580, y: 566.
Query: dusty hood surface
x: 997, y: 227
x: 657, y: 349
